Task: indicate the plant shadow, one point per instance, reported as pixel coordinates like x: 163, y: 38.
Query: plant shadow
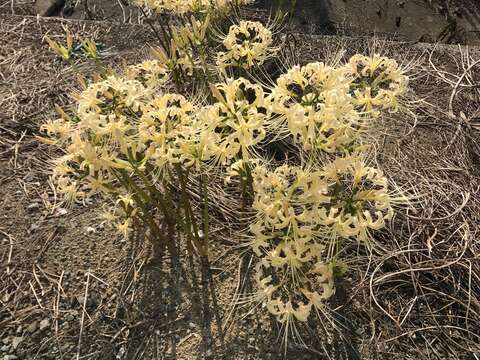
x: 171, y: 303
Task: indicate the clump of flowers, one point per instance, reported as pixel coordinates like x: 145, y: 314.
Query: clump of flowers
x: 143, y: 147
x: 167, y: 131
x: 104, y: 101
x: 289, y: 198
x: 152, y: 74
x: 360, y: 198
x: 247, y: 44
x: 301, y: 215
x: 188, y: 6
x: 314, y: 103
x: 236, y: 123
x: 122, y: 137
x: 377, y: 83
x: 295, y: 274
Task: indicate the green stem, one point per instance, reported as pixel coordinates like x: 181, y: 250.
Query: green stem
x: 127, y: 183
x: 187, y: 208
x: 162, y: 43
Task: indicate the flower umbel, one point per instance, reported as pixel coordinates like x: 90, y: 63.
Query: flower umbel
x: 314, y: 103
x: 377, y: 83
x: 247, y: 44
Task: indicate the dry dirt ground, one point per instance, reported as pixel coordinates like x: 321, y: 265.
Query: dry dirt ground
x: 446, y: 21
x: 71, y: 289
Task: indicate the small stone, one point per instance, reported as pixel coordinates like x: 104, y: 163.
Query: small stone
x: 5, y: 348
x: 29, y: 177
x: 90, y: 230
x: 192, y: 325
x: 16, y: 341
x: 6, y: 340
x: 34, y: 227
x: 61, y: 212
x: 44, y: 324
x: 65, y: 348
x: 19, y: 329
x: 33, y: 206
x: 120, y: 353
x: 32, y: 327
x: 9, y: 357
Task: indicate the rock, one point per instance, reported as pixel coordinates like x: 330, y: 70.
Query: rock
x: 49, y: 7
x: 9, y: 357
x: 6, y: 341
x: 5, y: 348
x: 16, y: 341
x: 29, y: 177
x: 90, y: 230
x: 32, y: 327
x: 33, y: 206
x: 61, y: 212
x: 44, y: 324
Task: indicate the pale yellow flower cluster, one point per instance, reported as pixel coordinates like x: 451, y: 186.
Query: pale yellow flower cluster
x: 290, y: 289
x: 130, y: 124
x: 377, y: 83
x: 153, y: 74
x: 314, y: 103
x: 130, y: 138
x: 360, y: 199
x: 300, y: 215
x: 114, y: 128
x: 104, y: 100
x: 187, y: 6
x: 289, y: 198
x: 236, y: 123
x: 167, y: 130
x: 247, y: 44
x: 292, y: 275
